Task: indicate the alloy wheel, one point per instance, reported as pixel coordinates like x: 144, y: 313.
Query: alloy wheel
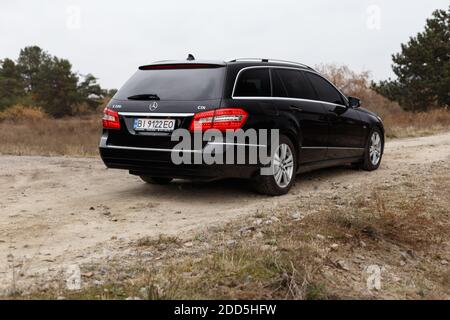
x: 375, y: 148
x: 283, y: 165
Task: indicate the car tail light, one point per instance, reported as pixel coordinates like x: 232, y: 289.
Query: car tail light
x: 110, y: 119
x: 221, y: 119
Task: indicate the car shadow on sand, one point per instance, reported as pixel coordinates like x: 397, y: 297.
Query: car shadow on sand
x: 231, y: 189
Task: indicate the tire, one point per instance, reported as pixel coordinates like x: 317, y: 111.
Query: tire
x: 373, y: 151
x: 267, y: 184
x: 156, y: 180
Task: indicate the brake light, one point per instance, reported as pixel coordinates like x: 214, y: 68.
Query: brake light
x: 110, y: 119
x: 221, y: 119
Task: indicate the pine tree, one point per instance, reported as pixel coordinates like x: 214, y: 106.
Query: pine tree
x: 90, y: 91
x: 56, y: 89
x: 422, y: 68
x: 11, y: 84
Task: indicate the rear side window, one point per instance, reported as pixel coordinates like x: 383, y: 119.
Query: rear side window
x: 176, y: 84
x: 291, y: 84
x: 278, y: 87
x: 253, y: 83
x: 325, y: 91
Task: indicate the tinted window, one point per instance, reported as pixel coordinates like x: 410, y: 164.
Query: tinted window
x: 253, y: 83
x: 293, y: 83
x: 178, y: 84
x: 278, y: 87
x: 325, y: 91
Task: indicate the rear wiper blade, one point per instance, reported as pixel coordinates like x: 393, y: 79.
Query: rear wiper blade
x: 150, y: 96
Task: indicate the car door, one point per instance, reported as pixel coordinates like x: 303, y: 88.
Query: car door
x: 346, y: 127
x: 294, y: 98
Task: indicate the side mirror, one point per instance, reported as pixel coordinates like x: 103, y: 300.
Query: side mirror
x: 354, y: 102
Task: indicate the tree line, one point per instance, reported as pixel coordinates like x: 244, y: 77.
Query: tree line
x: 37, y: 78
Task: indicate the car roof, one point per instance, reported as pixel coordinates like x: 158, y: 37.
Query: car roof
x: 244, y: 62
x: 270, y: 62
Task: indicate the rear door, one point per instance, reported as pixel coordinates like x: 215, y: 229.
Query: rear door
x: 249, y: 88
x: 294, y: 98
x: 346, y: 128
x: 252, y: 92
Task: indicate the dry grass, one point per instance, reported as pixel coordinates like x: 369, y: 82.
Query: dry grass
x: 28, y: 131
x: 406, y: 124
x: 161, y: 242
x: 50, y: 137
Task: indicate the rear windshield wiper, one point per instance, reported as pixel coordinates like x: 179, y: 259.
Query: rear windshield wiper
x: 144, y: 97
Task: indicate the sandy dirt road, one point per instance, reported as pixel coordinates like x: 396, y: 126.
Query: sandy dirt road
x: 58, y: 211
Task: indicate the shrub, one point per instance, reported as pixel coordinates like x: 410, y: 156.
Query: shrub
x: 20, y: 113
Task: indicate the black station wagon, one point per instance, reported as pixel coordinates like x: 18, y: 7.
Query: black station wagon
x: 318, y: 125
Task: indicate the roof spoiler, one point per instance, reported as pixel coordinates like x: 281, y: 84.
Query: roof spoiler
x: 172, y: 66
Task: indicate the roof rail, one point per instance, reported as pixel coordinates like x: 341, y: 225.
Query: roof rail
x: 272, y: 60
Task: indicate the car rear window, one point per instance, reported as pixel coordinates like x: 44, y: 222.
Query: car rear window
x: 191, y: 84
x: 253, y: 83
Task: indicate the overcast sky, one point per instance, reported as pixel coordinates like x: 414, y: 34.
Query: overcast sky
x: 110, y: 39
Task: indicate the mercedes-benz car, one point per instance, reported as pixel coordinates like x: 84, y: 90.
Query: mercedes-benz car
x: 318, y: 126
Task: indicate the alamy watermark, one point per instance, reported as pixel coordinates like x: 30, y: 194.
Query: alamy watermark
x: 73, y: 21
x: 373, y: 21
x: 211, y: 147
x: 374, y: 277
x: 73, y: 277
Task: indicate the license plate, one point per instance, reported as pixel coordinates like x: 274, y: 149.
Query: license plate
x: 163, y: 125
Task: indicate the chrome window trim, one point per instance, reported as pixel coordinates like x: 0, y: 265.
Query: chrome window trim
x: 285, y: 98
x: 334, y: 148
x: 147, y: 114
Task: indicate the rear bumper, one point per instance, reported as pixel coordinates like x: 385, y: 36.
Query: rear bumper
x: 157, y: 162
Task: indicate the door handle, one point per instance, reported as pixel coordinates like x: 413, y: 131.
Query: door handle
x: 296, y: 108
